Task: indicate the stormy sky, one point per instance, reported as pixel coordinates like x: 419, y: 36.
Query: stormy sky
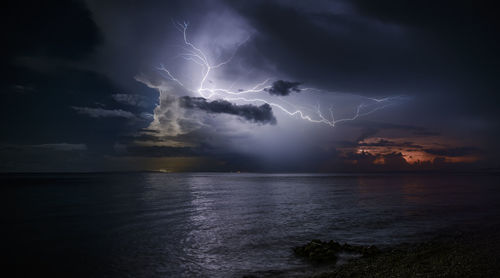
x: 267, y: 86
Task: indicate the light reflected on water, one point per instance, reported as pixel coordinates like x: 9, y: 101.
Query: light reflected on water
x: 184, y: 225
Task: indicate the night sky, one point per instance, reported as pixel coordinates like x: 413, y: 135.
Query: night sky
x: 271, y: 86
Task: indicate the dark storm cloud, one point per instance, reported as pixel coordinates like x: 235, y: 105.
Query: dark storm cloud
x: 371, y: 128
x: 259, y: 114
x: 385, y: 125
x: 132, y: 100
x: 379, y: 143
x: 104, y: 113
x: 373, y: 48
x: 161, y: 151
x: 367, y: 132
x: 366, y: 161
x: 466, y: 32
x: 53, y: 147
x: 51, y: 49
x: 426, y: 133
x: 442, y: 16
x: 63, y: 146
x: 44, y: 114
x: 389, y: 143
x: 55, y: 28
x: 454, y: 152
x: 341, y: 52
x: 283, y: 88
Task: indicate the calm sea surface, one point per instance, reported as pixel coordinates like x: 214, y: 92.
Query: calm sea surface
x: 220, y: 225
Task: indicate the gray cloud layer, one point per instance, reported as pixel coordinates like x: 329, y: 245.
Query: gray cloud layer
x: 131, y: 99
x: 259, y: 114
x: 102, y: 113
x: 283, y: 88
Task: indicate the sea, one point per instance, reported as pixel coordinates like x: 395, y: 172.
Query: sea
x: 221, y: 224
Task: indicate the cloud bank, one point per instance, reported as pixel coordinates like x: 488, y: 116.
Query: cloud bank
x: 104, y: 113
x: 283, y: 88
x: 262, y: 114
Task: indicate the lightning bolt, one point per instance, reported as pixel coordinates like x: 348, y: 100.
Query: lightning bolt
x: 196, y: 55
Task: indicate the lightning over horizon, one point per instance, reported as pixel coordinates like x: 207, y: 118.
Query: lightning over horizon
x: 197, y: 56
x: 248, y: 85
x: 257, y: 138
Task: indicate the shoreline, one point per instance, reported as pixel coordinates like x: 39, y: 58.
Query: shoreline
x: 473, y: 252
x: 468, y: 251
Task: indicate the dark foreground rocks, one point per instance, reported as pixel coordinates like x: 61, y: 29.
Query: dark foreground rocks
x: 318, y: 251
x: 473, y: 255
x: 465, y: 252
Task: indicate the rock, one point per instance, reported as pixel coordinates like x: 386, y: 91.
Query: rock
x: 370, y: 251
x: 316, y: 251
x: 327, y: 252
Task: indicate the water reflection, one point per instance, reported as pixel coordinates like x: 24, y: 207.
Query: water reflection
x: 185, y: 225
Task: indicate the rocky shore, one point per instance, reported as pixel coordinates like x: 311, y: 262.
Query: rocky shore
x: 468, y: 252
x: 472, y: 254
x: 318, y: 251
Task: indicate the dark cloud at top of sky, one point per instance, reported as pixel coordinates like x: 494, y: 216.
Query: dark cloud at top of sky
x: 439, y: 16
x: 283, y: 88
x: 467, y: 32
x: 340, y: 52
x: 444, y: 49
x: 262, y: 114
x: 55, y: 28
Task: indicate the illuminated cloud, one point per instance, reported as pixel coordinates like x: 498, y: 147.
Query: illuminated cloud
x: 415, y: 150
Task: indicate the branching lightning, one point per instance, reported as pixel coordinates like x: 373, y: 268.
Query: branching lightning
x: 196, y: 55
